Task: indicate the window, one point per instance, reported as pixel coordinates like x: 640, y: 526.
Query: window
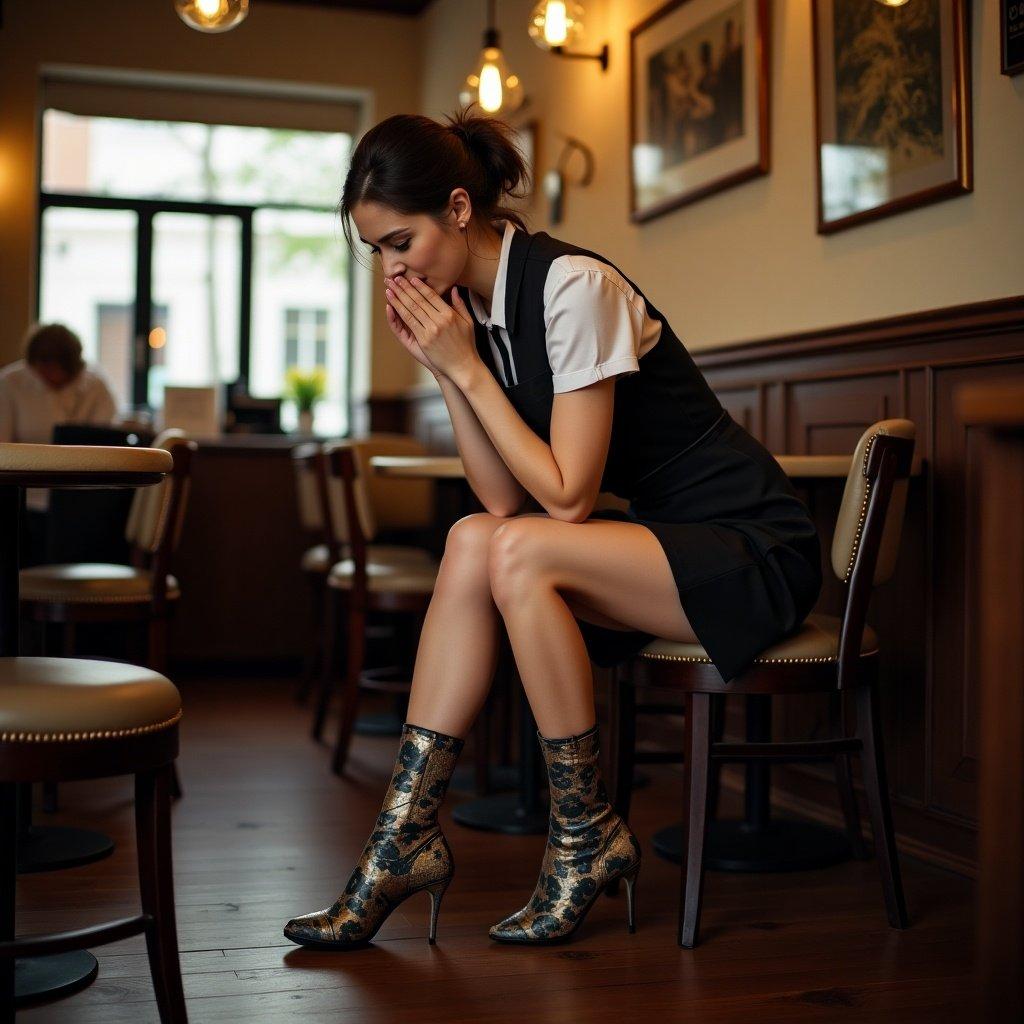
x: 195, y: 253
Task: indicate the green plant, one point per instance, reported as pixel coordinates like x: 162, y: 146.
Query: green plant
x: 305, y: 387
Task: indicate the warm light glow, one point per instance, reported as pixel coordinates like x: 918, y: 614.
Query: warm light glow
x: 490, y: 88
x: 556, y: 29
x: 157, y: 337
x: 893, y: 3
x: 212, y: 15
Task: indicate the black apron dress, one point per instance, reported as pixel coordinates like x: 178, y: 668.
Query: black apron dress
x: 741, y: 545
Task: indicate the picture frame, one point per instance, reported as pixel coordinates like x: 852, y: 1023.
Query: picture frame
x: 1011, y: 37
x: 699, y: 102
x: 892, y: 108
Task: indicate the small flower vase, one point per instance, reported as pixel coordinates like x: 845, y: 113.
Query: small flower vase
x: 305, y: 421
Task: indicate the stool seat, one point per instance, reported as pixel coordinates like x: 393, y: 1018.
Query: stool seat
x: 81, y: 458
x: 817, y: 640
x: 85, y: 582
x: 58, y: 699
x: 386, y: 572
x: 318, y: 559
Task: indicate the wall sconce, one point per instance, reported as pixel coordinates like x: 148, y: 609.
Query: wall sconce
x: 556, y: 24
x: 490, y: 84
x: 212, y: 15
x: 556, y: 179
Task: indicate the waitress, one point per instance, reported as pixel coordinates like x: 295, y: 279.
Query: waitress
x: 562, y: 379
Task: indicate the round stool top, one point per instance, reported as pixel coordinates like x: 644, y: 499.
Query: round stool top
x: 73, y: 465
x: 55, y: 699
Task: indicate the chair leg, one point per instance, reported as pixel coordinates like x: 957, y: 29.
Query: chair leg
x: 328, y: 666
x: 156, y: 886
x: 717, y: 735
x: 356, y: 656
x: 622, y: 712
x: 313, y: 665
x: 844, y: 782
x: 8, y: 880
x: 696, y: 768
x: 876, y: 785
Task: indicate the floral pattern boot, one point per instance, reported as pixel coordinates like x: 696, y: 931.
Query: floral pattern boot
x: 406, y: 852
x: 588, y: 847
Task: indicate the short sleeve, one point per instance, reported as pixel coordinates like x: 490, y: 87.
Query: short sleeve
x: 593, y: 325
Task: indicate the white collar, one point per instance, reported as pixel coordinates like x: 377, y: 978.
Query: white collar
x: 497, y: 317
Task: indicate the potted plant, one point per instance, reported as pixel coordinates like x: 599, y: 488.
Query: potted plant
x: 304, y: 388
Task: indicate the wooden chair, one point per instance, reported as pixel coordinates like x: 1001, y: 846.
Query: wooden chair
x: 826, y: 654
x: 144, y: 591
x: 373, y: 577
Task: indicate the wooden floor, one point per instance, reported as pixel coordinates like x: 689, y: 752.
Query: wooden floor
x: 265, y: 832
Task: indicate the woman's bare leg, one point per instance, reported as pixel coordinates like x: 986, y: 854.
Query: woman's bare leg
x: 542, y: 571
x: 458, y: 647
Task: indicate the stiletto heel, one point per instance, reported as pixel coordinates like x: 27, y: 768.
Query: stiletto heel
x: 630, y: 881
x: 437, y: 892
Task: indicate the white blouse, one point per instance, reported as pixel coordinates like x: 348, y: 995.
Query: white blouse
x: 595, y: 324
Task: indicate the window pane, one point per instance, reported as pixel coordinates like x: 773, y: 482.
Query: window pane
x: 300, y: 281
x: 196, y: 272
x: 87, y: 281
x: 112, y: 156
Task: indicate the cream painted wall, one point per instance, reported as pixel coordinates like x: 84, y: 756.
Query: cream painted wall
x: 378, y: 54
x: 747, y: 263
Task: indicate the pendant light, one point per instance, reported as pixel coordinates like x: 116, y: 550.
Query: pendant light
x: 556, y: 24
x: 212, y: 15
x: 491, y: 85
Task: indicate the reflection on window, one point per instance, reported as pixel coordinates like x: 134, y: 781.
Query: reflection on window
x: 853, y: 178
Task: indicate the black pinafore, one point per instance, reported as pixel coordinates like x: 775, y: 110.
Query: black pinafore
x: 741, y: 545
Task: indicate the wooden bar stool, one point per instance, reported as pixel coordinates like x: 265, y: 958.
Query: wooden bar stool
x: 825, y: 655
x: 64, y: 718
x: 373, y: 577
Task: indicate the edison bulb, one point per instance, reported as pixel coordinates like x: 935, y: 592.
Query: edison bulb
x: 556, y: 23
x: 212, y: 15
x: 492, y: 85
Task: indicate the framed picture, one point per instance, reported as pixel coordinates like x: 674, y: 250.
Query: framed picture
x: 1011, y: 36
x: 698, y: 102
x: 892, y: 107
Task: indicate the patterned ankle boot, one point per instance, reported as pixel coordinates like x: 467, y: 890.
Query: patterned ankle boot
x: 406, y: 851
x: 589, y: 846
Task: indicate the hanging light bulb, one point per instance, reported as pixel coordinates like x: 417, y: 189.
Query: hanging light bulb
x: 556, y: 23
x: 491, y: 84
x: 212, y: 15
x: 893, y: 3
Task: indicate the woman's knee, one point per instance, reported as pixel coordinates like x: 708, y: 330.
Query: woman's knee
x: 513, y: 557
x: 468, y: 540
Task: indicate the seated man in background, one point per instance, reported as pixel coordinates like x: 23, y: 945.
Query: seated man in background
x: 51, y: 385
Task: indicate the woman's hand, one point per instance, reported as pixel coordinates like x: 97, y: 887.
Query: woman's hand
x: 405, y: 336
x: 443, y: 334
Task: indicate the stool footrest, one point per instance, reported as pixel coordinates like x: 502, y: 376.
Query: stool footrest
x: 80, y: 938
x: 820, y: 750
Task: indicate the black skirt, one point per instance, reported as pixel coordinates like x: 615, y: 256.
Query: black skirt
x: 741, y: 545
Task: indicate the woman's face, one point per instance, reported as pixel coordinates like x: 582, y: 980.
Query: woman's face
x: 414, y: 244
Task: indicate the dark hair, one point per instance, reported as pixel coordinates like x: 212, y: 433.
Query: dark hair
x: 54, y: 343
x: 412, y: 164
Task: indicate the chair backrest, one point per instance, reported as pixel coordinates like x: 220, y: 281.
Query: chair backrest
x: 853, y: 511
x: 384, y: 503
x: 307, y: 461
x: 157, y: 513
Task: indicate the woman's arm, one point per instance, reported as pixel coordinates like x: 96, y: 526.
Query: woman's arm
x: 492, y: 482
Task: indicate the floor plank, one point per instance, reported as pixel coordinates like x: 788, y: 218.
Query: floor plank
x: 265, y: 832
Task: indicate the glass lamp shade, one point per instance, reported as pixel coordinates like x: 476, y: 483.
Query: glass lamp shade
x: 492, y: 85
x: 556, y: 23
x: 212, y: 15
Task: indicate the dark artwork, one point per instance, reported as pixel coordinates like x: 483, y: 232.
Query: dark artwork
x: 888, y: 65
x: 696, y: 89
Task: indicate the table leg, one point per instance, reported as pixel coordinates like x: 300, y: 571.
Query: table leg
x: 758, y: 842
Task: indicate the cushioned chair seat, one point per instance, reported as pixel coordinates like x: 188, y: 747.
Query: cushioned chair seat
x: 817, y: 640
x: 91, y: 582
x: 317, y: 559
x: 388, y: 573
x: 53, y: 699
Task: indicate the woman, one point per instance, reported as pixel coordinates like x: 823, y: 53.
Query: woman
x: 562, y: 380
